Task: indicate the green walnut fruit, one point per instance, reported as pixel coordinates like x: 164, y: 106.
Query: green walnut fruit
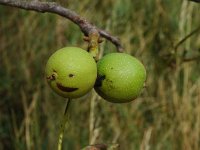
x: 120, y: 77
x: 71, y: 72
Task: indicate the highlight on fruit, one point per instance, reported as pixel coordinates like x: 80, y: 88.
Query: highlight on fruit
x: 120, y: 77
x: 71, y: 72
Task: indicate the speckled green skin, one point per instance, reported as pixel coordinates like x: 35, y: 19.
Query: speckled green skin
x: 120, y: 77
x: 72, y: 67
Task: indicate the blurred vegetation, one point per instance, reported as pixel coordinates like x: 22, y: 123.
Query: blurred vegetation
x: 167, y: 114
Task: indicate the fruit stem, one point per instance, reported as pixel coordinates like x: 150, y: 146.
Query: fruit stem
x: 62, y: 125
x: 93, y: 40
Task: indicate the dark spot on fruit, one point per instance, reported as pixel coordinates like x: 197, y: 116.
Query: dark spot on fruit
x: 111, y: 68
x: 110, y: 84
x: 53, y: 77
x: 66, y: 89
x: 99, y: 80
x: 71, y: 75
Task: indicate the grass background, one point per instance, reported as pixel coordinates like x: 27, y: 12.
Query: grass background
x: 167, y: 114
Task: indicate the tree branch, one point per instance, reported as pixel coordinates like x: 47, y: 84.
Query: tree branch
x: 52, y: 7
x: 186, y: 37
x: 197, y: 1
x: 191, y: 59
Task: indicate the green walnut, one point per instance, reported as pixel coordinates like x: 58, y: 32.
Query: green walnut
x: 120, y: 77
x: 71, y: 72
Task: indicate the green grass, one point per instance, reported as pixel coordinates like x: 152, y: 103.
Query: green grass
x: 167, y: 114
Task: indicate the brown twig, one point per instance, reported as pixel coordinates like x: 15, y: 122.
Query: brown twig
x: 197, y: 1
x: 55, y: 8
x: 96, y: 147
x: 186, y: 37
x: 191, y: 59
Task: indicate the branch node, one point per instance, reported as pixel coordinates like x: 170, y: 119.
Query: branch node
x: 93, y: 43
